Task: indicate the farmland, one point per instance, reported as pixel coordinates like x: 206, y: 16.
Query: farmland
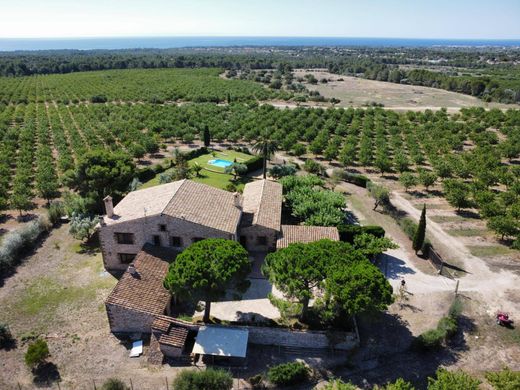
x: 59, y: 118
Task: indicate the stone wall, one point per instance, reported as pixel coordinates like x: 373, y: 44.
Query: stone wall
x: 144, y: 229
x: 170, y: 351
x: 302, y: 339
x: 123, y: 320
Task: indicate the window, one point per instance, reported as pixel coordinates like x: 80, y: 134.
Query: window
x: 124, y: 238
x: 162, y: 228
x: 157, y: 240
x: 197, y: 239
x: 126, y: 258
x: 175, y: 241
x: 261, y: 240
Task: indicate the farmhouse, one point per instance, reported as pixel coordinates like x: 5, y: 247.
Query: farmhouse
x: 145, y: 231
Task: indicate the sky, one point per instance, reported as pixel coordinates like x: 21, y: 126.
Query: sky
x: 462, y: 19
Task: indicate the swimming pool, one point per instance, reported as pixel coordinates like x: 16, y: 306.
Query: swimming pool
x: 220, y: 163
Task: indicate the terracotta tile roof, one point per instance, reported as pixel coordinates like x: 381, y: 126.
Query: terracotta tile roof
x: 176, y: 337
x: 262, y: 204
x: 304, y: 234
x: 145, y: 202
x: 205, y: 205
x: 194, y: 202
x: 144, y: 291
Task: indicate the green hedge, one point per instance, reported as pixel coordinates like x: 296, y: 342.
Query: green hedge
x: 214, y: 379
x: 288, y: 373
x: 356, y: 179
x: 348, y: 232
x: 196, y: 153
x: 148, y: 173
x: 253, y: 164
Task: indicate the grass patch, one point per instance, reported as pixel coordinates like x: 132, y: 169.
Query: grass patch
x: 210, y: 174
x: 449, y: 218
x: 487, y: 251
x: 44, y: 296
x: 467, y: 232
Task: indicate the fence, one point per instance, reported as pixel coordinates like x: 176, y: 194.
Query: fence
x: 437, y: 261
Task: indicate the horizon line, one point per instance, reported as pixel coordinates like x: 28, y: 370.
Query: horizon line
x: 255, y: 36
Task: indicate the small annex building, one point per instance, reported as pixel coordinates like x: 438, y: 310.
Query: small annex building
x: 139, y: 295
x: 304, y: 234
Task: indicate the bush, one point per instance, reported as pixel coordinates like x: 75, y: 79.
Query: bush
x: 504, y: 379
x: 288, y: 373
x: 399, y: 384
x: 456, y: 380
x: 55, y: 211
x: 255, y: 381
x: 278, y: 171
x: 353, y: 178
x: 37, y: 353
x: 312, y: 166
x: 98, y: 99
x: 429, y: 340
x: 15, y: 243
x: 114, y: 384
x: 6, y: 338
x: 448, y: 326
x: 348, y: 232
x: 254, y: 164
x: 210, y: 379
x: 196, y: 153
x: 338, y: 384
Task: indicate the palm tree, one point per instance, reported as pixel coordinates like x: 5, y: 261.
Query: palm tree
x: 267, y: 147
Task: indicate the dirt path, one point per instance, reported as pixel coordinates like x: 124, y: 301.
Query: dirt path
x: 496, y: 288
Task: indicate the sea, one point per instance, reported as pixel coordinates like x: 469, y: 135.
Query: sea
x: 23, y: 44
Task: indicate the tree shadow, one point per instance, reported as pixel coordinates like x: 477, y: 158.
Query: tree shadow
x: 252, y: 318
x: 393, y: 267
x: 26, y: 217
x: 385, y: 354
x: 468, y: 214
x: 9, y: 344
x: 46, y: 374
x: 351, y: 218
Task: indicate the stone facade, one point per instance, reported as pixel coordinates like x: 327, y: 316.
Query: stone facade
x: 252, y: 238
x: 145, y: 230
x: 124, y: 320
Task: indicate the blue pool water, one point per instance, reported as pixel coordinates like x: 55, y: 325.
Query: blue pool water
x: 220, y: 163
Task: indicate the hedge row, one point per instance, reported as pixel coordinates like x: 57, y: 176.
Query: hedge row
x: 358, y: 180
x: 16, y: 243
x: 255, y: 163
x: 347, y: 233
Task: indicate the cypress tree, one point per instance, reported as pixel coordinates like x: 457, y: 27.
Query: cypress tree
x: 207, y: 136
x: 420, y: 233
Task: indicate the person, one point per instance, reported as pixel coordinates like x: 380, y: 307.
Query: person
x: 403, y: 283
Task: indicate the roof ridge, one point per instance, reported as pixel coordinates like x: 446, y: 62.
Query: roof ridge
x: 255, y: 219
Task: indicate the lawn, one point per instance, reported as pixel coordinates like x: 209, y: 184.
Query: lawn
x: 210, y: 174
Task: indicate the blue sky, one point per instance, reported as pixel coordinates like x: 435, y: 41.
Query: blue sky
x: 466, y: 19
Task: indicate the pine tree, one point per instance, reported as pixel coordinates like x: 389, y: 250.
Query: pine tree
x: 420, y: 233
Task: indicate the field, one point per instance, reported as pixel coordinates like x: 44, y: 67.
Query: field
x: 357, y: 92
x: 210, y: 174
x: 151, y: 85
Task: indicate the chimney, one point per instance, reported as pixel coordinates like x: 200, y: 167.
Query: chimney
x: 109, y: 206
x: 236, y: 200
x: 132, y: 270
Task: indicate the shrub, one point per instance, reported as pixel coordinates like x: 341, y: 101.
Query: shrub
x: 338, y: 384
x: 448, y: 326
x: 55, y: 212
x: 37, y: 353
x: 279, y: 171
x: 254, y: 163
x: 114, y: 384
x: 358, y: 180
x: 456, y: 380
x: 347, y: 233
x: 288, y: 373
x: 429, y: 340
x: 98, y: 99
x: 314, y: 167
x: 399, y: 384
x: 6, y: 338
x: 255, y: 381
x: 210, y: 379
x: 504, y: 379
x: 15, y: 243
